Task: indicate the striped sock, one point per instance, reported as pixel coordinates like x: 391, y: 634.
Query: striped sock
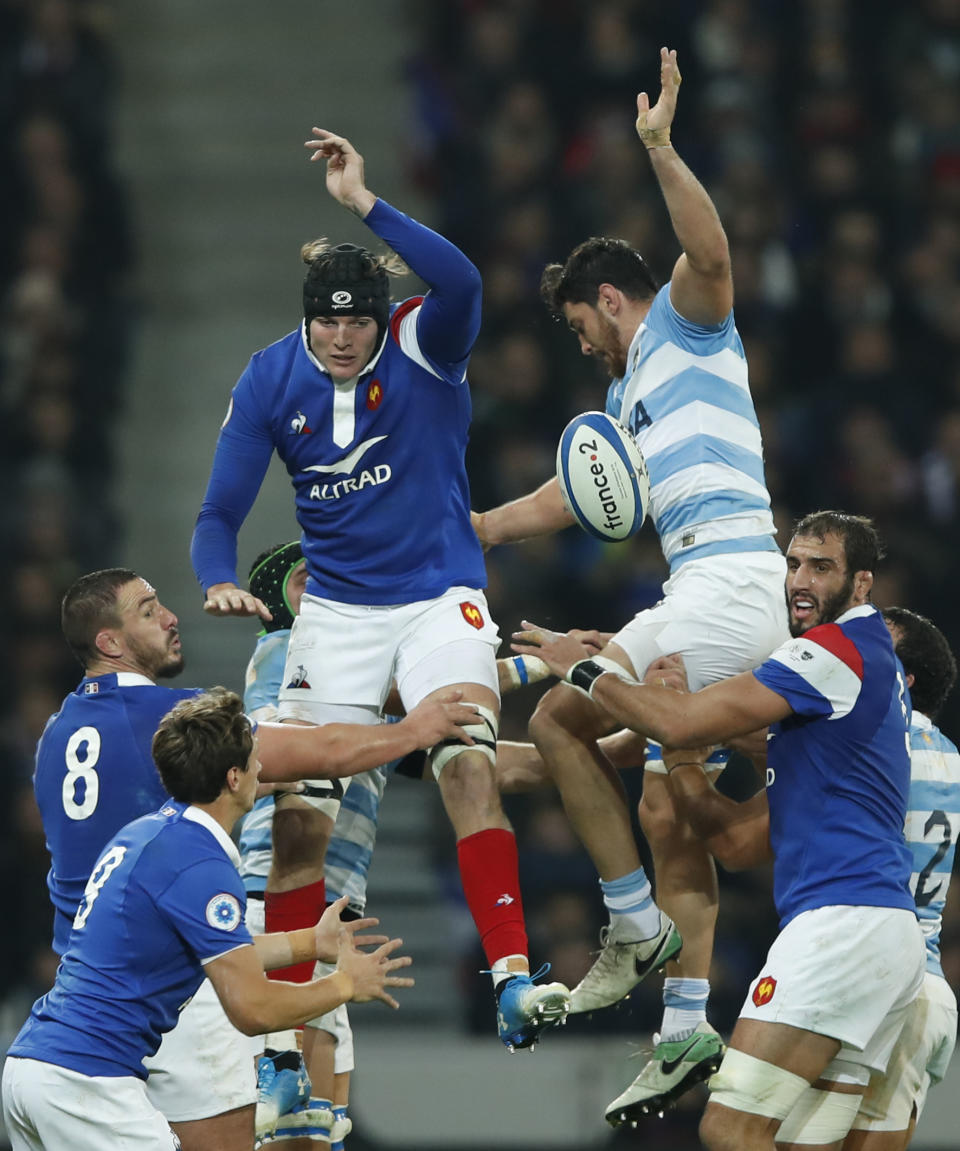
x: 684, y: 1006
x: 633, y: 914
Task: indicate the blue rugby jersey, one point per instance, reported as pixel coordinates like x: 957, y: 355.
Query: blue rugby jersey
x: 838, y: 769
x: 163, y: 898
x: 377, y: 463
x: 932, y: 827
x: 687, y: 401
x: 94, y: 773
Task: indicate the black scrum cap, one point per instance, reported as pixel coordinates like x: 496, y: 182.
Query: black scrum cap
x: 347, y: 281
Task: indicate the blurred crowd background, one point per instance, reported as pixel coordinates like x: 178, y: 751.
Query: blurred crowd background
x: 828, y: 134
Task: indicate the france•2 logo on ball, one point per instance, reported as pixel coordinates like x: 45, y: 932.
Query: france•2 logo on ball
x: 603, y: 476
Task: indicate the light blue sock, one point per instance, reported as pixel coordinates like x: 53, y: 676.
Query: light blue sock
x: 340, y: 1129
x: 633, y: 914
x: 684, y: 1006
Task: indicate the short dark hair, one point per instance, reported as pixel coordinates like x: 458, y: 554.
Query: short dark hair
x: 862, y: 549
x: 926, y: 655
x: 89, y: 605
x: 198, y: 741
x: 597, y: 261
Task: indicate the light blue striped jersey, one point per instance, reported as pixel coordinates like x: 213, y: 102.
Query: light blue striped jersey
x: 932, y: 827
x: 686, y: 399
x: 351, y: 846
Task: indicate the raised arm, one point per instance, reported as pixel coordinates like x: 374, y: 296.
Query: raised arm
x: 449, y: 319
x: 701, y: 288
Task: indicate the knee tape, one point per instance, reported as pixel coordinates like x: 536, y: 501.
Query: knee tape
x: 324, y: 795
x: 819, y: 1117
x: 483, y: 734
x: 745, y: 1083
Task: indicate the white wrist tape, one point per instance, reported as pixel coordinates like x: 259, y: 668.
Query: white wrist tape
x: 585, y: 673
x: 524, y: 669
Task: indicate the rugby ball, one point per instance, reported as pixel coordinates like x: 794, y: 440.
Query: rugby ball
x: 603, y: 476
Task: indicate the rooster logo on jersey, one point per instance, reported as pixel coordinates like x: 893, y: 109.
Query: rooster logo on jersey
x: 299, y: 678
x: 472, y: 614
x: 299, y: 425
x: 764, y: 990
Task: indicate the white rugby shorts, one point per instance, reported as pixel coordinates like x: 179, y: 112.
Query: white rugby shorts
x: 204, y: 1066
x: 346, y: 654
x: 847, y: 972
x: 724, y: 614
x: 920, y: 1058
x: 46, y: 1106
x: 337, y: 1024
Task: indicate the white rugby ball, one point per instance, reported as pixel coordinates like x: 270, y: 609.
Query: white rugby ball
x: 603, y: 476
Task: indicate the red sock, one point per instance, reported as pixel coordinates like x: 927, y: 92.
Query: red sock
x: 289, y: 911
x: 489, y: 874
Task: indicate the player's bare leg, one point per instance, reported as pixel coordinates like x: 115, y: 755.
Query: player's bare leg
x: 224, y: 1132
x: 565, y: 728
x: 487, y: 856
x: 294, y: 895
x: 803, y: 1054
x: 687, y: 1050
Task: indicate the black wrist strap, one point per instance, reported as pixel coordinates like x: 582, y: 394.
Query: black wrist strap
x: 585, y: 673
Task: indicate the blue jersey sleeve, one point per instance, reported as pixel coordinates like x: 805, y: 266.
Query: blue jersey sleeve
x: 206, y: 905
x: 804, y: 699
x: 450, y: 315
x: 242, y: 456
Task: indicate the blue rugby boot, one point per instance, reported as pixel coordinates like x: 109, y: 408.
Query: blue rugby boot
x: 525, y: 1008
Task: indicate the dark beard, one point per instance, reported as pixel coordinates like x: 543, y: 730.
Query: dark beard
x: 172, y: 668
x: 832, y: 608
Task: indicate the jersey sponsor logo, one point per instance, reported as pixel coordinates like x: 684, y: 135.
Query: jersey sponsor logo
x: 345, y: 466
x: 299, y: 425
x: 763, y: 992
x: 374, y: 395
x: 223, y: 911
x: 91, y: 688
x: 378, y: 475
x: 505, y: 900
x: 472, y: 614
x: 299, y: 678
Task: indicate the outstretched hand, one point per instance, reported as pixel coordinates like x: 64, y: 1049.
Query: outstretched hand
x: 228, y: 599
x: 372, y: 971
x: 558, y: 652
x: 653, y: 124
x: 327, y: 932
x: 345, y: 179
x: 441, y: 717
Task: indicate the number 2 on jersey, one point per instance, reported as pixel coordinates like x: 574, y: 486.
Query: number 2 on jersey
x: 81, y: 778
